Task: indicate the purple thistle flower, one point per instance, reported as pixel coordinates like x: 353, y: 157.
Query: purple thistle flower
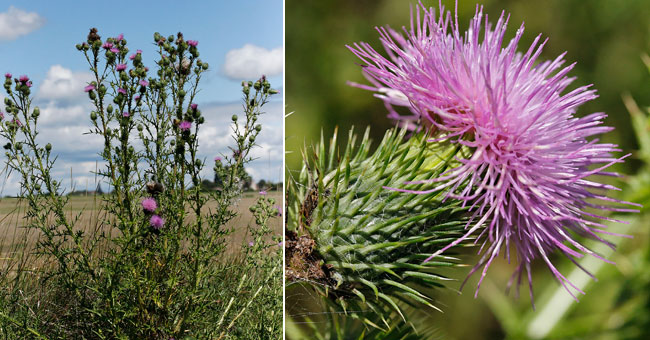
x: 138, y: 51
x: 136, y: 97
x: 156, y: 222
x: 192, y: 43
x: 115, y: 50
x: 89, y: 88
x: 263, y: 192
x: 526, y: 180
x: 250, y: 244
x: 120, y: 67
x: 126, y: 114
x: 185, y: 125
x: 194, y: 106
x: 107, y: 45
x: 149, y: 204
x: 17, y: 122
x: 29, y: 84
x: 119, y: 37
x: 7, y: 75
x: 122, y: 91
x: 217, y: 159
x: 23, y: 79
x: 144, y: 83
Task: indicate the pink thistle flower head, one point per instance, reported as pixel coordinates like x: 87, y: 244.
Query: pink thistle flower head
x: 194, y: 106
x: 156, y: 222
x: 126, y: 114
x: 149, y: 204
x: 120, y: 67
x: 144, y: 83
x: 526, y: 183
x: 119, y: 37
x: 89, y: 88
x: 193, y: 43
x: 7, y: 75
x: 122, y: 91
x: 115, y: 50
x: 263, y: 192
x: 23, y: 79
x: 218, y: 159
x: 132, y: 56
x: 251, y: 243
x: 185, y: 125
x: 107, y: 45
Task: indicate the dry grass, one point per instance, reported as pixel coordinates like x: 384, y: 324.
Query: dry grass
x: 14, y: 238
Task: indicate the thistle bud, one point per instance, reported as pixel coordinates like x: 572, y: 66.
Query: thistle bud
x: 48, y: 147
x: 234, y: 118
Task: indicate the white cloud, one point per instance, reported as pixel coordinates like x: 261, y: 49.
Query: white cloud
x: 16, y: 22
x: 62, y: 83
x: 253, y: 61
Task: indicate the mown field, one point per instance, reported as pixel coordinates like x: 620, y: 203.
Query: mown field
x: 13, y: 235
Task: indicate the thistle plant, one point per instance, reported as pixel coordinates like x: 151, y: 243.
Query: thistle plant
x: 362, y: 245
x: 153, y: 266
x: 494, y: 141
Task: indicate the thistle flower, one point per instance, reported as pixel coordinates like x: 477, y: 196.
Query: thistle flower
x: 122, y: 91
x: 156, y: 222
x: 527, y: 178
x: 185, y: 125
x: 217, y: 159
x: 120, y: 67
x: 7, y: 75
x: 126, y: 114
x: 193, y: 43
x: 89, y: 88
x: 194, y: 106
x: 263, y: 192
x: 115, y: 50
x: 149, y: 204
x: 107, y: 45
x: 23, y: 79
x: 119, y: 37
x: 144, y: 83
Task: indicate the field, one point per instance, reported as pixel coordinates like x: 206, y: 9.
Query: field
x: 12, y: 212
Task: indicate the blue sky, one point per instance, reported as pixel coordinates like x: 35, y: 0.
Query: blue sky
x: 239, y: 39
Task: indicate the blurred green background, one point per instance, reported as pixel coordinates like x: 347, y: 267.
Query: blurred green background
x: 606, y: 38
